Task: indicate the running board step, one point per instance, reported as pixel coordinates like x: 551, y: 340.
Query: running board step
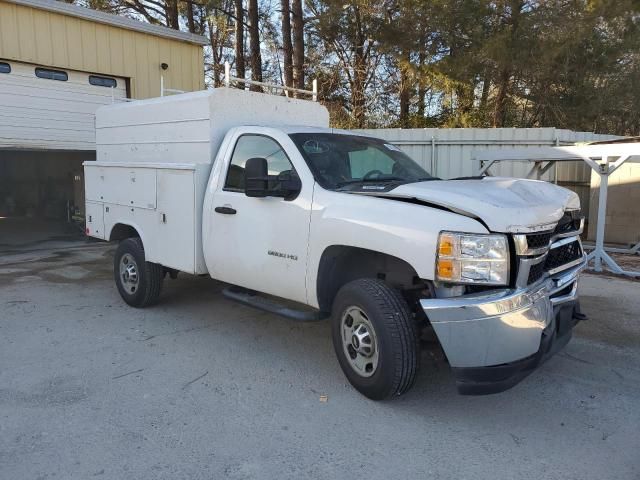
x: 253, y: 299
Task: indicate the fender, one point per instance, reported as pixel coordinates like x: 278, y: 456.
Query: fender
x: 118, y: 220
x: 408, y: 231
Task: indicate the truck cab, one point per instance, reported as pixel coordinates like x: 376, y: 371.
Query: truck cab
x: 316, y: 223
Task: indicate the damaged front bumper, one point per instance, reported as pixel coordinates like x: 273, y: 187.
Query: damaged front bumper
x: 492, y: 341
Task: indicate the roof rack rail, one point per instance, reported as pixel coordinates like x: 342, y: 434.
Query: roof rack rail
x: 228, y: 80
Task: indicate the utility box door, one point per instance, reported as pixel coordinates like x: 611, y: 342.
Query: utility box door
x: 175, y: 235
x: 95, y: 219
x: 126, y: 186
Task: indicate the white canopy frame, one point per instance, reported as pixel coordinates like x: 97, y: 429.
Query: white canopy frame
x: 604, y: 159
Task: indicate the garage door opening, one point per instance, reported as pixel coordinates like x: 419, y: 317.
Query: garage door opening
x: 41, y: 196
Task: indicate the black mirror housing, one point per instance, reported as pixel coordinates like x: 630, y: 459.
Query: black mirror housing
x: 289, y: 185
x: 256, y: 177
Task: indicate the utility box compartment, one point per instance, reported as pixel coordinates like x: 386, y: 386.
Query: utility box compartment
x: 163, y: 202
x: 94, y: 215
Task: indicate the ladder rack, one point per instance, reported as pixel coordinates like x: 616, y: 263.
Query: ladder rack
x: 228, y: 80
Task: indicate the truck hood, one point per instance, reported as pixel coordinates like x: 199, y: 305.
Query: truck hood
x: 503, y: 204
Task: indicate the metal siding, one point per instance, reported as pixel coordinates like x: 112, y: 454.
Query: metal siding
x: 74, y: 43
x: 65, y: 42
x: 142, y: 72
x: 185, y: 67
x: 42, y: 29
x: 26, y: 37
x: 153, y: 57
x: 115, y: 48
x: 117, y: 21
x: 455, y: 148
x: 89, y: 50
x: 8, y: 29
x: 170, y: 80
x: 102, y: 48
x: 58, y: 40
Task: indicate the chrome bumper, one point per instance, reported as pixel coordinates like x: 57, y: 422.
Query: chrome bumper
x: 480, y: 330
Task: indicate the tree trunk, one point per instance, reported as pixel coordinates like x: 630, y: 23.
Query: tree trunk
x: 172, y: 14
x: 358, y: 103
x: 190, y: 20
x: 297, y: 24
x: 254, y: 44
x: 239, y: 46
x: 422, y: 91
x: 500, y: 109
x: 504, y: 82
x: 286, y: 44
x: 404, y: 90
x: 484, y: 96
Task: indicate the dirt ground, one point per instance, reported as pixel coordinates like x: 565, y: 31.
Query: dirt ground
x: 199, y: 387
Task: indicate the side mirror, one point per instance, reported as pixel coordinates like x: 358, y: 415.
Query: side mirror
x: 256, y: 177
x: 289, y: 185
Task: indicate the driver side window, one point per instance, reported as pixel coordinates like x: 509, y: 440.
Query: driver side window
x: 252, y: 146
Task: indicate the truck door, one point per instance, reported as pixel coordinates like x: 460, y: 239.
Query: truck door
x: 259, y: 243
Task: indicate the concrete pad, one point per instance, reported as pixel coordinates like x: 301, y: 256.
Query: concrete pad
x: 71, y: 272
x: 9, y: 271
x: 199, y: 387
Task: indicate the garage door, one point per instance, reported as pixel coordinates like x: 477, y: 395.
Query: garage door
x: 52, y: 108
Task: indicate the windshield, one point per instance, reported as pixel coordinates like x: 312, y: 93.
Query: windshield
x: 353, y: 162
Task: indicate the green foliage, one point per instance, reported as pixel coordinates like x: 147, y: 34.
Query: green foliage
x: 453, y: 63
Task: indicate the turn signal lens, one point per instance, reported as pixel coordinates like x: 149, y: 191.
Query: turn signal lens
x: 445, y: 247
x: 445, y: 269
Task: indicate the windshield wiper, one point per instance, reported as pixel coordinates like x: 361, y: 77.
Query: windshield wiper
x: 371, y: 180
x: 424, y: 179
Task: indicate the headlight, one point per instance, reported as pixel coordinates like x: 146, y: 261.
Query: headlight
x: 472, y: 258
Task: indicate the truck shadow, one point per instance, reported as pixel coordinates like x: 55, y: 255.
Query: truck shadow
x: 300, y: 345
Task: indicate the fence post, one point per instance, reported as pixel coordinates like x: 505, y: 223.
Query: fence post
x: 433, y: 155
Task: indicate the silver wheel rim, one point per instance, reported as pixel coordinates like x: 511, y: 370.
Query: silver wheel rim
x: 359, y: 341
x: 129, y: 273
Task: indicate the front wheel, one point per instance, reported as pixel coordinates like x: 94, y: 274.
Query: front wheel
x: 139, y: 282
x: 375, y: 338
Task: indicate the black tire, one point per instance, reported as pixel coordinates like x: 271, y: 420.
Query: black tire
x: 150, y: 275
x: 394, y: 329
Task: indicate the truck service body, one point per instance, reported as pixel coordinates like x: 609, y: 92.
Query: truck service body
x: 257, y: 191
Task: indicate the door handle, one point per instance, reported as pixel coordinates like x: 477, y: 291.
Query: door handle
x: 225, y: 210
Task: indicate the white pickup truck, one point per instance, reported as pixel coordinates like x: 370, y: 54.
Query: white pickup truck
x: 310, y: 222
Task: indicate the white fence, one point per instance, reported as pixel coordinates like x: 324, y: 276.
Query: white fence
x: 450, y: 152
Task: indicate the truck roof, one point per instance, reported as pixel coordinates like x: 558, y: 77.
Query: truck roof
x: 288, y: 129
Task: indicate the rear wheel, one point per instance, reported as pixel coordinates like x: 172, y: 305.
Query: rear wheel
x: 139, y: 282
x: 375, y: 339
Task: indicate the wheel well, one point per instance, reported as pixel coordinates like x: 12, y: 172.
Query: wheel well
x: 120, y: 231
x: 341, y: 264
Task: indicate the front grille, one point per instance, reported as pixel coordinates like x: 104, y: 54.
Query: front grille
x: 541, y: 243
x: 562, y: 255
x: 538, y: 240
x: 535, y: 273
x: 570, y: 222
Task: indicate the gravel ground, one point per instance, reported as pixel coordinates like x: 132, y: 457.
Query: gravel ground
x: 201, y: 388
